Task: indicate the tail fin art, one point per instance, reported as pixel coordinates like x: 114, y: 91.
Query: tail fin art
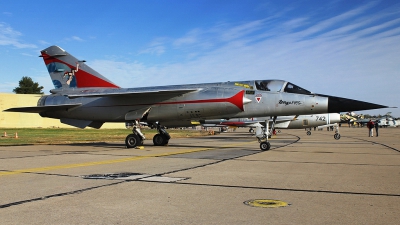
x: 67, y: 72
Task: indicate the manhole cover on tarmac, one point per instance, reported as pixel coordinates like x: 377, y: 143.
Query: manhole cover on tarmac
x: 266, y: 203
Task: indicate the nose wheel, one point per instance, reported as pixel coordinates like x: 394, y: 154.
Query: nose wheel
x: 265, y: 146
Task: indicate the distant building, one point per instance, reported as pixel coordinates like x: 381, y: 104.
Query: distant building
x: 30, y: 120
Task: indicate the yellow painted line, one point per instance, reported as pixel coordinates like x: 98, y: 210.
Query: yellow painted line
x: 68, y: 166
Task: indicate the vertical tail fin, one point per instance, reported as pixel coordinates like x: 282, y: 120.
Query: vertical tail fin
x: 68, y: 72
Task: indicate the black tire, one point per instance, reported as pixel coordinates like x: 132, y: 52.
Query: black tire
x: 132, y: 140
x: 337, y: 136
x: 265, y: 146
x: 308, y: 132
x: 159, y: 140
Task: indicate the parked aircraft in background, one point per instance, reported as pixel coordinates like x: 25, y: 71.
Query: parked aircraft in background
x: 388, y: 121
x: 350, y: 117
x: 383, y: 121
x: 281, y: 122
x: 82, y: 97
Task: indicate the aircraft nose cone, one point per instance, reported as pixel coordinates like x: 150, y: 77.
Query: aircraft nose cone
x: 337, y: 104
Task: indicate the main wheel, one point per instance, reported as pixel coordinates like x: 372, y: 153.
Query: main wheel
x: 160, y: 140
x: 308, y: 132
x: 132, y: 140
x: 337, y: 136
x: 265, y: 146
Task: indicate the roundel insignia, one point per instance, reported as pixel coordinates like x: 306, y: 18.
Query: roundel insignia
x: 258, y: 98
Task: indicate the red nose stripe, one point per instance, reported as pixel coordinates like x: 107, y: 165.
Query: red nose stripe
x: 236, y: 100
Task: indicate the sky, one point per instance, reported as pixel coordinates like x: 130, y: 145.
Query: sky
x: 343, y: 48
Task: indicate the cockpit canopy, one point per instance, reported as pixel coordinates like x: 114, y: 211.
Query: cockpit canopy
x: 279, y: 86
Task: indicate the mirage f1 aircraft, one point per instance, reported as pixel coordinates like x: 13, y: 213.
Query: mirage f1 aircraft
x: 82, y: 97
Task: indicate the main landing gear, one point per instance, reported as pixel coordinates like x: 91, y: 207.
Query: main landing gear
x: 137, y: 138
x: 162, y: 137
x: 133, y: 140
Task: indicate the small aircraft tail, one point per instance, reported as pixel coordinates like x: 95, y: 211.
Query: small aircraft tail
x: 68, y: 72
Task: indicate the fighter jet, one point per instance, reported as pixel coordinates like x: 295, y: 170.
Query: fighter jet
x: 83, y: 98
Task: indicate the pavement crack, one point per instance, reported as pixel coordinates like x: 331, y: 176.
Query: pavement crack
x: 56, y: 195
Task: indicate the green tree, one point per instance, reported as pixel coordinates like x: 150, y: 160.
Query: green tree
x: 27, y: 86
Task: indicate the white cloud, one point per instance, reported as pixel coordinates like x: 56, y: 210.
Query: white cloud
x: 74, y: 38
x: 27, y: 54
x: 154, y: 50
x: 330, y: 23
x: 42, y: 42
x: 242, y: 30
x: 156, y: 47
x: 9, y: 36
x: 188, y: 39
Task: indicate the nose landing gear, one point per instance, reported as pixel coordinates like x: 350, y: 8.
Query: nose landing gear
x: 262, y: 134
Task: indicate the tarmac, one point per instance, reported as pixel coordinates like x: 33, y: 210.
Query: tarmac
x: 219, y: 179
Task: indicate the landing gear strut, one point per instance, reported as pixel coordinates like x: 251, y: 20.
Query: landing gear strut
x: 133, y: 140
x: 331, y: 127
x: 336, y: 135
x: 162, y: 137
x: 263, y: 134
x: 136, y: 138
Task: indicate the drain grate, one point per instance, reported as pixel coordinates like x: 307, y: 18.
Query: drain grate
x: 119, y: 176
x: 134, y: 176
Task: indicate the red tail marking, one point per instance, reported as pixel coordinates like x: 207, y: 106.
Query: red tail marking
x: 83, y: 78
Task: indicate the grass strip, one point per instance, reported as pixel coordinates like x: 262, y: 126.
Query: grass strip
x: 35, y: 136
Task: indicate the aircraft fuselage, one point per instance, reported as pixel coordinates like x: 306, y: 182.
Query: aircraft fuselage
x: 213, y: 100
